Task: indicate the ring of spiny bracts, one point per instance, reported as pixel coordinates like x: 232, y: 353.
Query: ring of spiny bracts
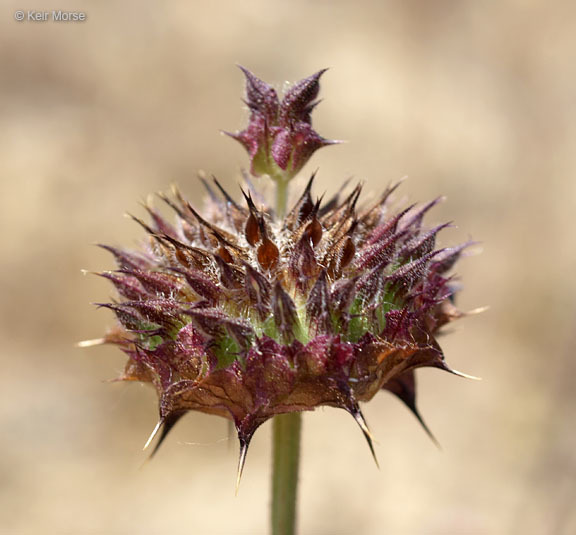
x: 238, y: 314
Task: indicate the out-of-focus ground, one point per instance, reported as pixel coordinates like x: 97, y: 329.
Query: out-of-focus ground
x: 472, y: 100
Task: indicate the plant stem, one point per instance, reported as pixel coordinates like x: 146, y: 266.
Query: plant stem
x: 281, y: 196
x: 286, y: 458
x: 285, y: 433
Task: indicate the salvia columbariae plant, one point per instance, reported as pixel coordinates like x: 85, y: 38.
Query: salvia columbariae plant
x: 250, y: 311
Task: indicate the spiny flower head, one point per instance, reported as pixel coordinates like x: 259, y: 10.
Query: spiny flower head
x: 245, y: 314
x: 279, y: 137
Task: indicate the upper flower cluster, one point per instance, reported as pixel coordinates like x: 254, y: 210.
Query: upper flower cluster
x: 279, y: 137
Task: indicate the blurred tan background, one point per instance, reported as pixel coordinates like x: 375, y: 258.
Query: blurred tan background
x: 473, y: 100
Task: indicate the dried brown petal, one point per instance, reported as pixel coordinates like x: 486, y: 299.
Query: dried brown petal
x: 268, y: 255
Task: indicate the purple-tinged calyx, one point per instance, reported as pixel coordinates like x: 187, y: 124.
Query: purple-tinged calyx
x: 244, y: 319
x: 279, y: 137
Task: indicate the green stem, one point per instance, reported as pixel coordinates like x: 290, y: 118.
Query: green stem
x: 286, y: 458
x: 281, y: 196
x: 285, y: 433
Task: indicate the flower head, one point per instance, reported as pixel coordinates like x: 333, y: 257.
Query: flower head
x: 279, y: 137
x: 246, y: 314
